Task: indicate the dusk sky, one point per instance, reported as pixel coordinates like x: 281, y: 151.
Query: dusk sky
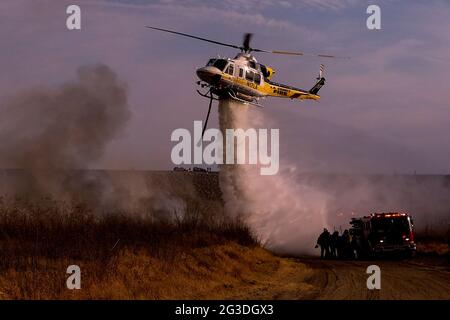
x: 386, y: 110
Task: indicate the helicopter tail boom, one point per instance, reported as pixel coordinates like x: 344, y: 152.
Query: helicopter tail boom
x: 281, y: 90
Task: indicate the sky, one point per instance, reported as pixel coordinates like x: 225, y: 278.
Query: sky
x: 386, y: 110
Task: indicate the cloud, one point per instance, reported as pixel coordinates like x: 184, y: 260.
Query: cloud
x: 255, y: 5
x: 229, y: 13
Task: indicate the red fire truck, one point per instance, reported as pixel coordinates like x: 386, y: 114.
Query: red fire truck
x: 383, y: 233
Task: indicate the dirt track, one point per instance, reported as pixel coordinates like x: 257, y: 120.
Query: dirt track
x: 419, y: 278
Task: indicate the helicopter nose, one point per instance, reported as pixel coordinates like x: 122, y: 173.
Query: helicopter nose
x: 207, y: 74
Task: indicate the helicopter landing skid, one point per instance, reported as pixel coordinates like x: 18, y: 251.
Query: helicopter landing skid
x: 234, y: 97
x: 221, y: 92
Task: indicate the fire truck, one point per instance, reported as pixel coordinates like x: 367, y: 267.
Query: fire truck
x: 383, y: 233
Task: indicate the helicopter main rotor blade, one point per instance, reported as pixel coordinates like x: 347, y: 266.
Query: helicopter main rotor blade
x: 246, y: 45
x: 293, y: 53
x: 195, y: 37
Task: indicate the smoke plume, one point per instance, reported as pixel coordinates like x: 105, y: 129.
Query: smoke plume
x: 286, y: 215
x: 53, y: 134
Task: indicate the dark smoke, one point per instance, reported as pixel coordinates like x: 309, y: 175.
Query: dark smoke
x: 53, y: 134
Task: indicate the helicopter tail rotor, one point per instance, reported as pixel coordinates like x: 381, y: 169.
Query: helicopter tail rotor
x: 321, y: 71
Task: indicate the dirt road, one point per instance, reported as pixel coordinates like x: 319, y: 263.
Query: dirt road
x: 418, y: 278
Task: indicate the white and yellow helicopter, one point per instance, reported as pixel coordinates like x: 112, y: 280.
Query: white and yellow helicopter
x: 245, y: 79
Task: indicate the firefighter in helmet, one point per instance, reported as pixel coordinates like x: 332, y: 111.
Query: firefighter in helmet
x: 324, y: 242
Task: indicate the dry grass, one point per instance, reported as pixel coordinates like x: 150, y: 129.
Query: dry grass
x: 433, y: 243
x: 227, y: 271
x: 433, y: 248
x: 128, y: 258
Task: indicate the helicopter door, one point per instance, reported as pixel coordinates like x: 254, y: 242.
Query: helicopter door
x: 241, y: 73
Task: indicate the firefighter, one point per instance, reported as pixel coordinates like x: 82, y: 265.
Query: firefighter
x: 324, y: 242
x: 334, y: 243
x: 340, y: 247
x: 346, y: 245
x: 355, y: 251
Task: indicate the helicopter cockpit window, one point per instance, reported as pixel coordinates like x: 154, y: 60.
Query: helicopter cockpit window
x: 220, y: 64
x: 252, y: 64
x: 211, y: 62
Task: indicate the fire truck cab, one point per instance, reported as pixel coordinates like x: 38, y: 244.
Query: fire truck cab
x: 383, y: 233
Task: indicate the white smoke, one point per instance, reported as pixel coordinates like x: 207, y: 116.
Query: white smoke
x: 286, y: 215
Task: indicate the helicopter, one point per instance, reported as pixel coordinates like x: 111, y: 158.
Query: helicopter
x: 244, y: 79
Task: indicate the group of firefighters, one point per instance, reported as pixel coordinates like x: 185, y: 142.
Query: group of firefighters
x: 334, y: 245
